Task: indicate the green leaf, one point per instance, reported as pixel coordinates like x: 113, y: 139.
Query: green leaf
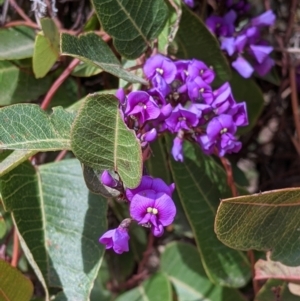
x: 28, y: 127
x: 14, y: 286
x: 156, y: 288
x: 168, y: 33
x: 274, y: 288
x: 98, y: 54
x: 200, y: 183
x: 247, y: 90
x: 46, y: 48
x: 3, y: 227
x: 101, y: 140
x: 195, y: 41
x: 14, y: 159
x: 263, y: 221
x: 19, y: 85
x: 16, y: 43
x: 51, y: 33
x: 132, y: 24
x: 86, y: 70
x: 181, y: 262
x: 59, y: 223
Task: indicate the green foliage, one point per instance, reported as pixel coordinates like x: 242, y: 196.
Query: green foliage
x: 156, y: 288
x: 181, y: 263
x: 59, y: 222
x: 16, y: 43
x: 133, y: 24
x: 200, y: 184
x: 261, y: 222
x: 99, y: 55
x: 28, y: 127
x: 106, y: 143
x: 14, y: 286
x: 46, y: 48
x: 168, y: 34
x: 194, y: 40
x: 14, y: 159
x: 3, y: 227
x: 19, y: 85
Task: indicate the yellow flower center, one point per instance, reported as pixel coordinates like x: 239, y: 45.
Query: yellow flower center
x: 152, y: 210
x: 159, y: 70
x: 223, y: 131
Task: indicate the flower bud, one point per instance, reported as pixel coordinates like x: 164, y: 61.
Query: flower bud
x: 108, y: 180
x: 149, y: 136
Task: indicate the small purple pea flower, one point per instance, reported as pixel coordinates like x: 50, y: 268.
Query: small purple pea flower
x: 197, y: 68
x: 266, y: 19
x: 151, y: 204
x: 108, y: 180
x: 181, y: 119
x: 117, y: 239
x: 142, y: 106
x: 199, y: 90
x: 243, y: 67
x: 162, y: 66
x: 177, y: 151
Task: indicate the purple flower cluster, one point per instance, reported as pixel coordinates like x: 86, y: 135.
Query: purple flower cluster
x: 181, y: 101
x: 247, y: 48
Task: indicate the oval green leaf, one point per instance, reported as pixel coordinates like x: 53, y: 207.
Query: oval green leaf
x: 59, y: 223
x: 16, y: 43
x: 264, y: 221
x: 101, y: 140
x: 200, y: 183
x: 181, y: 262
x: 14, y: 286
x: 98, y: 54
x: 132, y: 24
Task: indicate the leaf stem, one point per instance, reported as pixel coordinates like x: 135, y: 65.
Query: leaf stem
x: 58, y: 83
x: 295, y: 106
x: 20, y: 11
x: 16, y: 248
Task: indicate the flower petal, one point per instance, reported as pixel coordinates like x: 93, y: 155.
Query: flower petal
x: 166, y: 209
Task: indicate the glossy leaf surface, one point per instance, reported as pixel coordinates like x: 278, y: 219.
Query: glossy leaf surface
x: 131, y: 23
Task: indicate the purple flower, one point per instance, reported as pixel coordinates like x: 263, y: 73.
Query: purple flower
x: 240, y: 43
x: 116, y: 239
x: 161, y: 65
x: 142, y: 106
x: 189, y: 3
x: 220, y: 133
x: 239, y: 114
x: 242, y: 67
x: 108, y: 180
x: 197, y: 68
x: 261, y: 52
x: 222, y: 26
x: 223, y: 99
x: 177, y: 152
x: 182, y: 69
x: 199, y: 90
x: 228, y: 44
x: 149, y: 136
x: 181, y: 119
x: 160, y: 84
x: 263, y: 68
x: 120, y: 94
x: 266, y: 19
x: 151, y: 204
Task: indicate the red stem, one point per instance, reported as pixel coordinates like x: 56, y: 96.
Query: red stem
x: 58, y: 83
x: 16, y: 248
